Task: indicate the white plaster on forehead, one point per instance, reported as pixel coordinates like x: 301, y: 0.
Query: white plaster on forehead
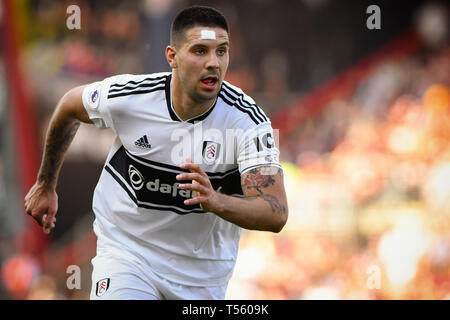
x: 208, y: 35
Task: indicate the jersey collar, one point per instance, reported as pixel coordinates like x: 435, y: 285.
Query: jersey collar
x: 172, y: 112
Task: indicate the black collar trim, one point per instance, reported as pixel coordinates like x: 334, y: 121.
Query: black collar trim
x: 172, y: 113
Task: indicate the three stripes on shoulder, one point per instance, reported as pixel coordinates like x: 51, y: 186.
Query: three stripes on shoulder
x: 146, y: 85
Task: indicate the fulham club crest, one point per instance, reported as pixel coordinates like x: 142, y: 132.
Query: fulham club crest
x: 210, y: 151
x: 102, y: 287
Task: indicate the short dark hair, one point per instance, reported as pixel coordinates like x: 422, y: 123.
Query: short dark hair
x: 196, y: 16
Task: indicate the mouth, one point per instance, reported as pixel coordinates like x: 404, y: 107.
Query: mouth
x: 210, y: 82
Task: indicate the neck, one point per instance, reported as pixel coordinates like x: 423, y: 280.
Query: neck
x: 184, y: 105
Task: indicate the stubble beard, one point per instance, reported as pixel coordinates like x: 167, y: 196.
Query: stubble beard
x: 204, y: 97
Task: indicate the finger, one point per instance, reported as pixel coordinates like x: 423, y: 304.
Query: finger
x: 192, y: 167
x: 47, y: 224
x: 26, y: 206
x: 48, y: 220
x: 194, y: 201
x: 188, y: 176
x: 48, y: 230
x: 188, y: 160
x: 29, y: 211
x: 192, y: 176
x: 31, y: 207
x: 53, y: 224
x: 44, y: 218
x: 36, y: 214
x: 194, y: 187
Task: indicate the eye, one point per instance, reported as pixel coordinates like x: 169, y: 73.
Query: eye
x: 199, y: 51
x: 221, y: 51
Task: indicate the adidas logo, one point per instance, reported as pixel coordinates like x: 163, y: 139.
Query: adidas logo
x: 143, y: 142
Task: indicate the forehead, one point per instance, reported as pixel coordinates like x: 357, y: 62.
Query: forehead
x: 206, y: 35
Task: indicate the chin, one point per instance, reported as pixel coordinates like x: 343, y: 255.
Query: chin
x: 206, y: 96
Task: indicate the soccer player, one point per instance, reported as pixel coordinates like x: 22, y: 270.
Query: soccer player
x: 194, y: 161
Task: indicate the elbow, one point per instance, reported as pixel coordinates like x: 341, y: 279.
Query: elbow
x: 281, y: 222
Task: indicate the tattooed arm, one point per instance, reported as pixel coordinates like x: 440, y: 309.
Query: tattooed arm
x: 41, y: 202
x: 263, y: 188
x: 263, y: 207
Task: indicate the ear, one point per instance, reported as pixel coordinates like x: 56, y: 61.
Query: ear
x: 171, y: 53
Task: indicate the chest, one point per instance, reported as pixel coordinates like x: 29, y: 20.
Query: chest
x: 151, y: 134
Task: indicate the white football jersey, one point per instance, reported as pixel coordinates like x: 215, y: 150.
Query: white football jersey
x: 138, y: 206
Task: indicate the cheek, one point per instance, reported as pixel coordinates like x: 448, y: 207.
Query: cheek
x: 191, y: 67
x: 188, y: 74
x: 224, y: 68
x: 225, y: 61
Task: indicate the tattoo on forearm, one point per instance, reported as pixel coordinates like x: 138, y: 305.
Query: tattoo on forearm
x: 58, y: 140
x: 259, y: 178
x: 274, y: 203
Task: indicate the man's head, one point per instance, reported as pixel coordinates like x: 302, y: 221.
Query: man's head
x: 193, y: 17
x: 198, y: 51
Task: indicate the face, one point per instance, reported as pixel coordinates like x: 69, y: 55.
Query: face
x: 200, y: 62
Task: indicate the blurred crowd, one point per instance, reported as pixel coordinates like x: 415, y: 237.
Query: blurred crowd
x: 369, y: 196
x: 367, y: 179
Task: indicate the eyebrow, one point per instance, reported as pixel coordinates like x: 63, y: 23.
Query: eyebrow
x: 226, y: 43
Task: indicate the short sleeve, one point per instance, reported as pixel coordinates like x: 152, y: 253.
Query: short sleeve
x: 96, y: 104
x: 257, y: 147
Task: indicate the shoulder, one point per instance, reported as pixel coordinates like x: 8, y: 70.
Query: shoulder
x: 242, y: 105
x: 124, y: 79
x: 129, y: 84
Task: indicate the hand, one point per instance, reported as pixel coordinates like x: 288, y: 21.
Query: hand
x: 205, y: 195
x: 42, y: 204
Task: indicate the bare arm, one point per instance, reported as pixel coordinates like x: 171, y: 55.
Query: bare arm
x: 62, y: 128
x: 41, y: 202
x: 263, y: 207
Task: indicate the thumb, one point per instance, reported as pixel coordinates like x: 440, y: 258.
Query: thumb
x: 48, y: 220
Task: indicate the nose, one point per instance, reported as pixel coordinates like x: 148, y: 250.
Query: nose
x: 213, y: 61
